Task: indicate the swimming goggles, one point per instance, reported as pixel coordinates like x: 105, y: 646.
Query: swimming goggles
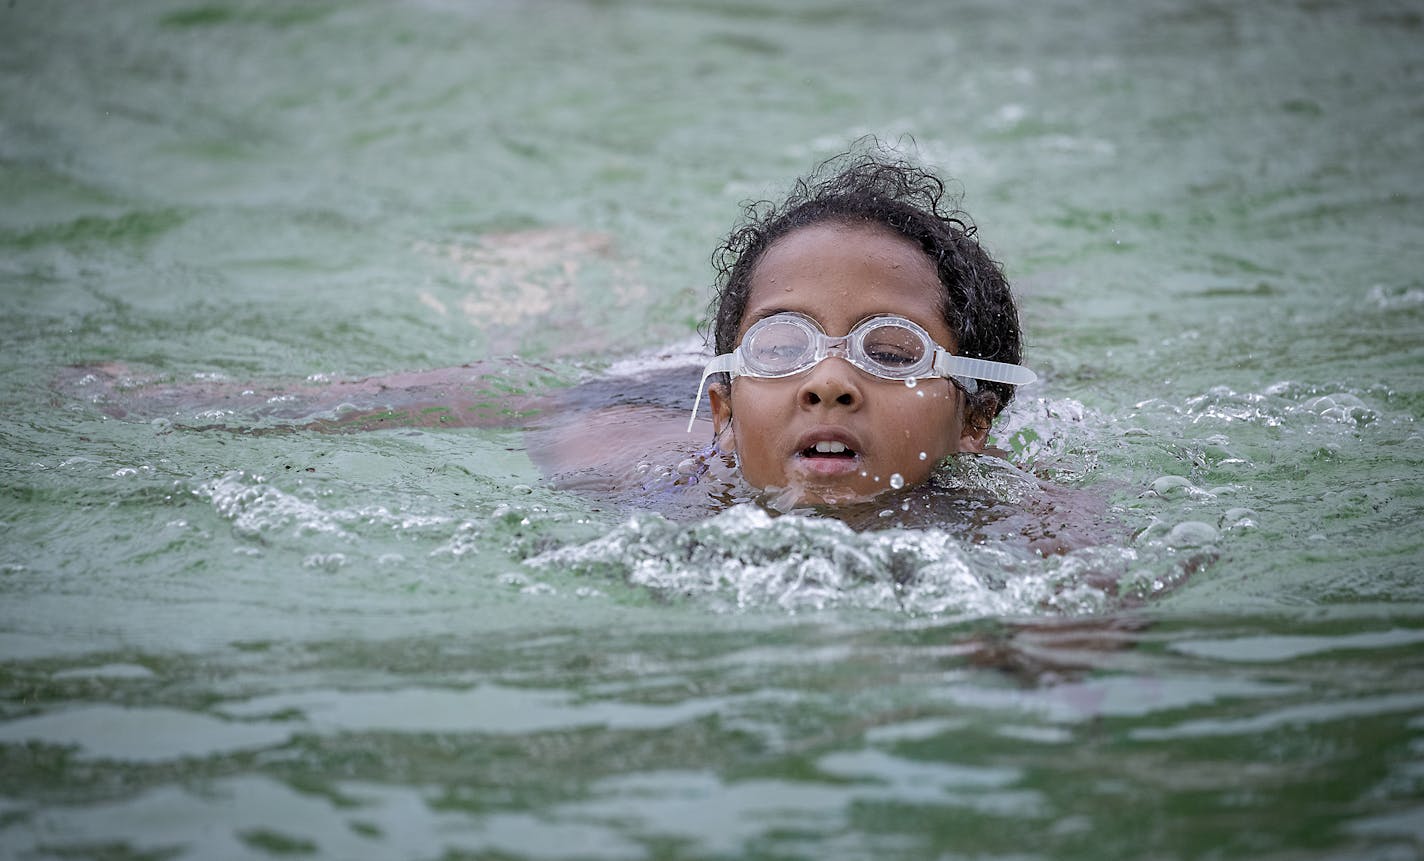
x: 885, y: 346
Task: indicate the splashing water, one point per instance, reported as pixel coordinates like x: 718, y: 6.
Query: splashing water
x: 745, y: 558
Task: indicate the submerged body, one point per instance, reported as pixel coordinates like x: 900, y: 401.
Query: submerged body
x: 620, y: 440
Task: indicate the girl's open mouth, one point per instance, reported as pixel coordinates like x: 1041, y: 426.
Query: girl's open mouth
x: 829, y: 449
x: 827, y: 459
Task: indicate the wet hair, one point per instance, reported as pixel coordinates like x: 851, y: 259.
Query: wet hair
x: 876, y: 187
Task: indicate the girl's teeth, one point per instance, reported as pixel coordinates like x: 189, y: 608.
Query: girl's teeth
x: 830, y: 447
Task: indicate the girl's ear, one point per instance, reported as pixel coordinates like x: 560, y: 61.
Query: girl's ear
x: 979, y: 412
x: 721, y: 397
x: 972, y: 437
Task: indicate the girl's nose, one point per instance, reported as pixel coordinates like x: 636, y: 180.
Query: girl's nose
x: 832, y: 381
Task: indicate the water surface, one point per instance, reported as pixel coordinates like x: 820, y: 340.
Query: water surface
x: 410, y: 643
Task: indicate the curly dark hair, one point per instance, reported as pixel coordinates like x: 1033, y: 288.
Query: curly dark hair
x: 878, y: 187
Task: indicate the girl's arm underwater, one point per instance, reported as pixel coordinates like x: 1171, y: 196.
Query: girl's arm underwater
x: 486, y: 394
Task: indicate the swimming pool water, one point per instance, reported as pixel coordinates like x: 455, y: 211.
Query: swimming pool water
x: 406, y: 643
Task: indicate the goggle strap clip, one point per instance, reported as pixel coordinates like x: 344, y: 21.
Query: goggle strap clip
x: 727, y: 363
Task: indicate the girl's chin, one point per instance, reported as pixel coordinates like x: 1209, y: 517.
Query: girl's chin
x: 817, y: 495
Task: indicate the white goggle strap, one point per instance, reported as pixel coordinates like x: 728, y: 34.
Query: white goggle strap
x: 982, y: 369
x: 727, y: 363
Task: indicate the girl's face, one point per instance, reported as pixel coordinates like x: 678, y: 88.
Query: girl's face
x: 838, y: 275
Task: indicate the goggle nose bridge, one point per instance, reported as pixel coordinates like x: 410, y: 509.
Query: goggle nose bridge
x: 828, y: 346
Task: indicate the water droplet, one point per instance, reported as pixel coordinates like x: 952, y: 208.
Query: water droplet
x: 911, y: 382
x: 863, y: 473
x: 923, y: 456
x: 897, y: 480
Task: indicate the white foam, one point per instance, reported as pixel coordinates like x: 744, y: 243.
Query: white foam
x: 745, y: 558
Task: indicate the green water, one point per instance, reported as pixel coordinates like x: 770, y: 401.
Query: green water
x: 407, y: 644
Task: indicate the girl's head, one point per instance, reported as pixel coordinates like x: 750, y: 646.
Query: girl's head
x: 863, y: 236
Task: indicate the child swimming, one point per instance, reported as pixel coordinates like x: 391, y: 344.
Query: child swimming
x: 863, y: 336
x: 864, y: 342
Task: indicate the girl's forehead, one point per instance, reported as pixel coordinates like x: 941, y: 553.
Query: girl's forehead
x: 840, y: 274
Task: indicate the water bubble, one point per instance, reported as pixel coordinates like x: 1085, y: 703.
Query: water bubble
x: 1239, y: 518
x: 1192, y: 533
x: 1172, y: 485
x: 897, y: 480
x: 911, y: 382
x: 329, y: 562
x: 1341, y: 407
x: 691, y: 466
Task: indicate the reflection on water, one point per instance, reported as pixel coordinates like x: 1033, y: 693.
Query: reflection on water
x: 233, y: 627
x: 652, y: 736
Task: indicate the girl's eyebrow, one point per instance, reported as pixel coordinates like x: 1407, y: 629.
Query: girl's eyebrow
x: 762, y: 314
x: 772, y: 312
